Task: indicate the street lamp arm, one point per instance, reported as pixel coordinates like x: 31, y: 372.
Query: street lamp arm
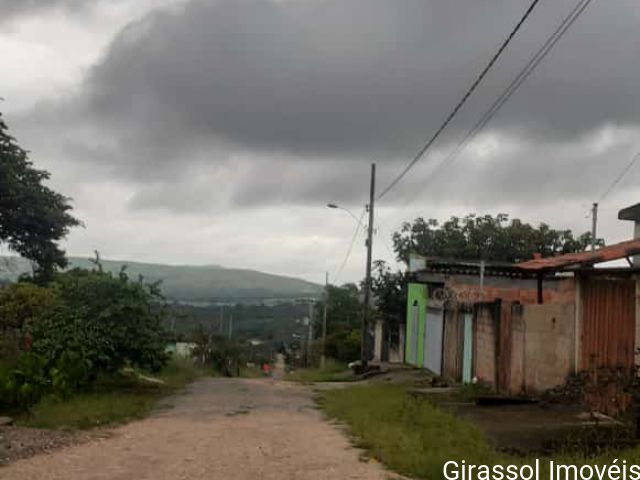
x: 333, y: 205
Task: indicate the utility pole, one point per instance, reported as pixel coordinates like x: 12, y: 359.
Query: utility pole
x: 221, y: 319
x: 594, y: 224
x: 324, y: 319
x: 310, y: 332
x: 364, y: 350
x: 230, y: 325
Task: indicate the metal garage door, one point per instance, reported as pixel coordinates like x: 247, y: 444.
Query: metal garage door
x: 608, y: 322
x: 433, y: 335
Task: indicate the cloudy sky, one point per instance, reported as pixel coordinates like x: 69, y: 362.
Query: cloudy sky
x: 215, y: 131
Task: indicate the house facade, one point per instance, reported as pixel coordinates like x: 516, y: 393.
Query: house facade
x: 526, y: 328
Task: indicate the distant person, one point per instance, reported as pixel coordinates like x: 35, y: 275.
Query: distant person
x: 266, y: 368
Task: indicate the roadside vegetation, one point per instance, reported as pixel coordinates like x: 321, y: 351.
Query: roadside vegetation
x: 414, y: 437
x: 116, y: 399
x: 408, y: 435
x: 333, y: 371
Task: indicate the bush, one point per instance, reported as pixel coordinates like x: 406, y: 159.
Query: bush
x: 110, y: 320
x: 21, y: 304
x: 344, y: 345
x: 84, y: 324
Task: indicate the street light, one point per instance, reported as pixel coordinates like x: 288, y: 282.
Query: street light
x: 364, y: 353
x: 338, y: 207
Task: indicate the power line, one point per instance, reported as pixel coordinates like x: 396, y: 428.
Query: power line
x: 349, y: 250
x: 515, y: 84
x: 620, y: 177
x: 386, y: 244
x: 461, y: 103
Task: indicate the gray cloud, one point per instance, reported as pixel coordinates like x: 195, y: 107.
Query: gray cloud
x: 10, y: 9
x: 330, y: 84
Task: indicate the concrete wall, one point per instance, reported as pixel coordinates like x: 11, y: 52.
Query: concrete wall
x: 484, y: 358
x: 529, y: 349
x: 377, y: 341
x: 549, y: 344
x: 396, y: 352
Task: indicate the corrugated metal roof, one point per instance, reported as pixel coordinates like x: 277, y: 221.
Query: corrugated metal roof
x: 470, y: 267
x: 604, y: 254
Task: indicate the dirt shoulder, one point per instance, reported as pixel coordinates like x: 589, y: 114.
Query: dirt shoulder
x: 21, y: 442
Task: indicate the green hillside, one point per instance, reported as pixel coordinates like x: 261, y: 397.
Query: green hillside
x: 192, y: 283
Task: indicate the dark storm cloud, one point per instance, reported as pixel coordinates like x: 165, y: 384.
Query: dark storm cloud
x: 339, y: 82
x: 14, y: 8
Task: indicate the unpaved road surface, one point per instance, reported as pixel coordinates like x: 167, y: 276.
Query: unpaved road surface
x: 221, y: 429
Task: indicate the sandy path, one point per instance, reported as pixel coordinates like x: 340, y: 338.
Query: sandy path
x: 221, y: 429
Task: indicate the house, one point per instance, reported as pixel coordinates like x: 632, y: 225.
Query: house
x: 525, y: 328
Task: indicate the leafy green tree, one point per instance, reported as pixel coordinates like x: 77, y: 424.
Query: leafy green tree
x: 33, y: 218
x: 485, y: 237
x: 109, y: 320
x: 343, y: 322
x: 389, y: 292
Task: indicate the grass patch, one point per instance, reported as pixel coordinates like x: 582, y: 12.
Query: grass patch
x: 251, y: 372
x: 414, y: 437
x: 113, y: 400
x: 88, y: 410
x: 333, y: 371
x: 410, y: 436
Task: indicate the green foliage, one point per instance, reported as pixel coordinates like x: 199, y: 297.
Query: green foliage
x: 21, y: 303
x: 344, y: 344
x: 89, y: 410
x: 25, y: 383
x: 112, y: 399
x: 33, y: 218
x: 86, y: 323
x: 108, y: 320
x: 409, y: 435
x: 390, y: 294
x: 344, y: 317
x: 485, y: 237
x: 333, y: 371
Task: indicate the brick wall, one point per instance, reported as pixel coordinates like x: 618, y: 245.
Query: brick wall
x: 516, y: 290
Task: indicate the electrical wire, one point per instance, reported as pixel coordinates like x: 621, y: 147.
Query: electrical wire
x: 624, y: 172
x: 339, y: 270
x: 461, y: 103
x: 515, y: 84
x: 383, y: 237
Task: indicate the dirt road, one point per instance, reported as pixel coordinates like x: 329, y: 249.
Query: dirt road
x: 221, y: 429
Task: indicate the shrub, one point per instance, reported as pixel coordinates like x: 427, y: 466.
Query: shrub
x: 21, y: 304
x: 84, y: 324
x: 108, y: 321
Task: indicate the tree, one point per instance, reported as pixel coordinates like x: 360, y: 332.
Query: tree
x: 389, y: 292
x: 343, y: 322
x: 33, y: 218
x: 108, y: 320
x: 485, y: 237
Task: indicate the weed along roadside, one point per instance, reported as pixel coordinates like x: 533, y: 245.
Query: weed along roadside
x: 118, y: 399
x: 414, y: 436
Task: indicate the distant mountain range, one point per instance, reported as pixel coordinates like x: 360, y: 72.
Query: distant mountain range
x: 189, y: 283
